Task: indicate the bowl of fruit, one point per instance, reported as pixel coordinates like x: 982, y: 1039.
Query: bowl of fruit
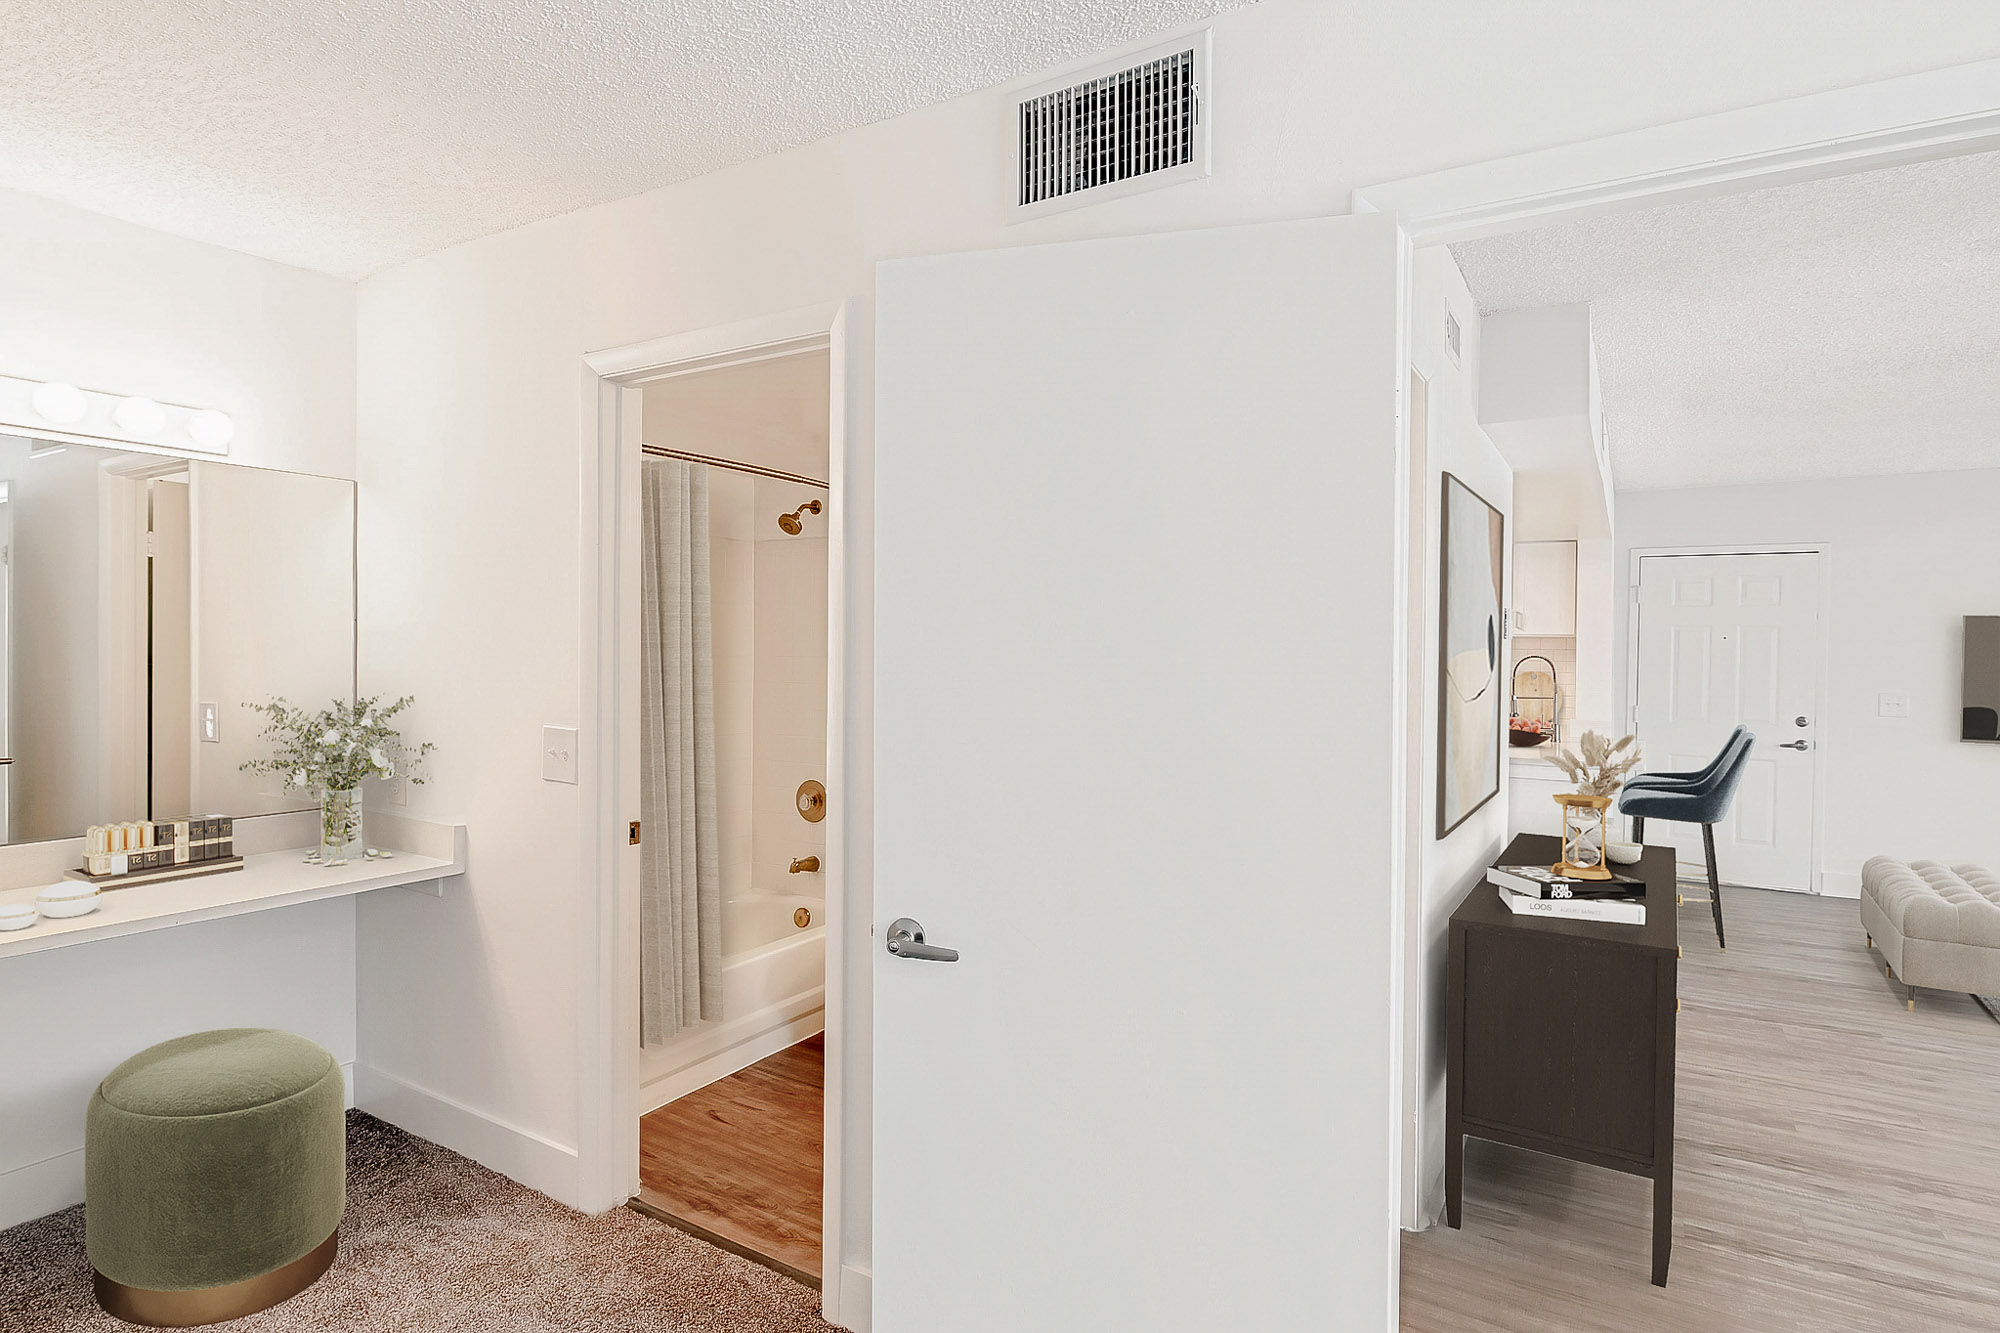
x: 1527, y: 731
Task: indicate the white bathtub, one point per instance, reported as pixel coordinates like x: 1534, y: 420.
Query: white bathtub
x: 755, y: 920
x: 773, y: 996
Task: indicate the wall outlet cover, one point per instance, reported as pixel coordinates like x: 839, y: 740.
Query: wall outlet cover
x: 559, y: 754
x: 211, y: 724
x: 1892, y: 705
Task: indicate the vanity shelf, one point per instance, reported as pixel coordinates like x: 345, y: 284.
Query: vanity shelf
x: 426, y: 854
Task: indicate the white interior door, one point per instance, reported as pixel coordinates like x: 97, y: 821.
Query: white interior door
x: 1137, y: 638
x: 1725, y: 639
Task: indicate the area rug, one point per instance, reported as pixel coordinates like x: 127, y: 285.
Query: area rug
x: 435, y: 1242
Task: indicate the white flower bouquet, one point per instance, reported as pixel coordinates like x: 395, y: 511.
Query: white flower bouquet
x: 339, y: 746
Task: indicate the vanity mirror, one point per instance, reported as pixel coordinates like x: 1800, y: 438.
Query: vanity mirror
x: 143, y: 600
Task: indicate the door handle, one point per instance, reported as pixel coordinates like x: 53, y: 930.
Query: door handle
x: 906, y: 940
x: 1796, y: 745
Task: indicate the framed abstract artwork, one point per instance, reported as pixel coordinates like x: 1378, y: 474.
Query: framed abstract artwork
x: 1469, y: 648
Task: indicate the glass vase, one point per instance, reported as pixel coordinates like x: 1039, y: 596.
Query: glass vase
x: 339, y: 824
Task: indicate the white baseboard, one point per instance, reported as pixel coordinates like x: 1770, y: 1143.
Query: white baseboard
x: 54, y: 1183
x: 1840, y: 883
x: 520, y: 1154
x: 40, y: 1188
x: 705, y: 1057
x: 856, y: 1307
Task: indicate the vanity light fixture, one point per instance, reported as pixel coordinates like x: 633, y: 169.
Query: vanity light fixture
x: 62, y: 413
x: 140, y: 416
x: 59, y: 402
x: 211, y: 429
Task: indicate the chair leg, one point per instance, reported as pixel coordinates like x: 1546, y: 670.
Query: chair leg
x: 1639, y: 829
x: 1714, y: 883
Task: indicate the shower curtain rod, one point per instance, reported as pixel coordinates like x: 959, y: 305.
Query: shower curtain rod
x: 661, y: 451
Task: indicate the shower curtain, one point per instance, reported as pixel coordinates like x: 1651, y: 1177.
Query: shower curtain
x: 680, y: 876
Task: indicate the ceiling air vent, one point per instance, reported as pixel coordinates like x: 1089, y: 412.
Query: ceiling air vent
x: 1132, y: 127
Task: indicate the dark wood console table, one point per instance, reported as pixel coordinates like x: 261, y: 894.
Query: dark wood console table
x: 1560, y: 1035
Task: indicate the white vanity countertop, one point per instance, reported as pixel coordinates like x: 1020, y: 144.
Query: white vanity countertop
x: 267, y: 880
x: 1532, y: 763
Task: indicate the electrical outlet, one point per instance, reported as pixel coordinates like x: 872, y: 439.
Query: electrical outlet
x: 559, y: 754
x: 1892, y: 705
x: 211, y: 724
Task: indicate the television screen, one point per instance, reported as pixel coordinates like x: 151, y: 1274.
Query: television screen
x: 1982, y: 680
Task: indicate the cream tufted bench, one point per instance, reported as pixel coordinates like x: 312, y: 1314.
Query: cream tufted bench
x: 1936, y: 925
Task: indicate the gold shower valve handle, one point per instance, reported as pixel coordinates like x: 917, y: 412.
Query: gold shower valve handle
x: 805, y: 865
x: 811, y: 801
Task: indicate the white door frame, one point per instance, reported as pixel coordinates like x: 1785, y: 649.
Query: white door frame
x: 1821, y: 647
x: 1914, y: 118
x: 608, y: 779
x: 1415, y: 775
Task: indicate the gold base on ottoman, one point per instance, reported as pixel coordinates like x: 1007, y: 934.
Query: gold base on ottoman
x: 212, y: 1305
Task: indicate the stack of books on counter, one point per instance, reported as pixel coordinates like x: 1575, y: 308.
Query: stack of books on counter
x: 1540, y: 891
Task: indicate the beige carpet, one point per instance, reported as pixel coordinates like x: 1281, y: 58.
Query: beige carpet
x: 435, y: 1242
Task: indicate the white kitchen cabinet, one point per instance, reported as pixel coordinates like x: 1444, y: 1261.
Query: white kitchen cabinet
x: 1532, y: 784
x: 1545, y: 588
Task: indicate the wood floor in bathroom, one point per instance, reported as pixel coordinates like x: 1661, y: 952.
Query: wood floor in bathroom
x: 740, y: 1160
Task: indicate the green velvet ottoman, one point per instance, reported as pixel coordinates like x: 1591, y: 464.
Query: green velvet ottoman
x: 215, y: 1173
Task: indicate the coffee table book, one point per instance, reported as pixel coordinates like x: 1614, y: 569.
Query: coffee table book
x: 1617, y: 911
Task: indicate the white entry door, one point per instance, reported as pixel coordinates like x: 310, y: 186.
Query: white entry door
x: 1728, y: 639
x: 1136, y: 652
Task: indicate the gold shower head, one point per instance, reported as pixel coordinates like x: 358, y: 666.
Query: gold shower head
x: 790, y: 522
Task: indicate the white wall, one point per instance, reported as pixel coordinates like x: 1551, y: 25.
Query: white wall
x: 77, y: 1012
x: 791, y: 688
x: 112, y: 306
x: 1453, y: 864
x: 1910, y: 556
x: 470, y: 445
x: 125, y: 309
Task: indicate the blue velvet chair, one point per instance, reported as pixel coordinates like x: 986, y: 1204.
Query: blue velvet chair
x: 1702, y: 798
x: 1702, y: 774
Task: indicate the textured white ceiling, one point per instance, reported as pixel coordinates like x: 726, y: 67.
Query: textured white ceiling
x: 349, y: 136
x: 1845, y: 327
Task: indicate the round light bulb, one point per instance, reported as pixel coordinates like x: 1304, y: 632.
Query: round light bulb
x: 60, y: 403
x: 139, y: 416
x: 211, y: 429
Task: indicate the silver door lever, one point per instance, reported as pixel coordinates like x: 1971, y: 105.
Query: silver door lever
x: 1796, y: 745
x: 906, y: 940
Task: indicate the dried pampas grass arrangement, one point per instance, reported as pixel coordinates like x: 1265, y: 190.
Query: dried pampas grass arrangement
x: 1597, y: 766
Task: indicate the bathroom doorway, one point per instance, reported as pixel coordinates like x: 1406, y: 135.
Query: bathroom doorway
x: 732, y: 738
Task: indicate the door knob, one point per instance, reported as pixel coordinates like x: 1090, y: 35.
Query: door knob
x: 1796, y: 745
x: 906, y: 940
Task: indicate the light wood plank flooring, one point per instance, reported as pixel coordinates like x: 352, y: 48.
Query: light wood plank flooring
x: 742, y: 1158
x: 1838, y: 1162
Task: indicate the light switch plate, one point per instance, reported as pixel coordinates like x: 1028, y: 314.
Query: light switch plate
x: 389, y: 791
x: 211, y: 724
x: 559, y: 754
x: 1892, y: 705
